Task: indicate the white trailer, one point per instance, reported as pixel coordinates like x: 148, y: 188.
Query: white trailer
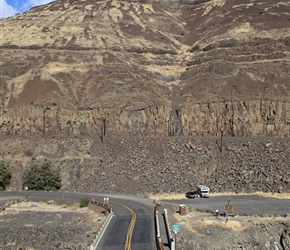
x: 203, y: 191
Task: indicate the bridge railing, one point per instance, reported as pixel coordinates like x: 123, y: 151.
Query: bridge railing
x: 158, y: 236
x: 167, y: 225
x: 105, y: 224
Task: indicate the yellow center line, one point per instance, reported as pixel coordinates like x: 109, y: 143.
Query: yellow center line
x: 130, y: 229
x: 131, y: 226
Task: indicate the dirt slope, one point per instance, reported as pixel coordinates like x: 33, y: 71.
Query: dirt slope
x: 87, y: 54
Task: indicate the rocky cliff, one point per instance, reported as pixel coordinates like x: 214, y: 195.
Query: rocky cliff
x: 230, y: 118
x: 147, y: 68
x: 142, y: 165
x: 118, y: 92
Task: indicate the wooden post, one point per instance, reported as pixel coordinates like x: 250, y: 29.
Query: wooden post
x: 104, y: 127
x: 43, y: 125
x: 222, y: 134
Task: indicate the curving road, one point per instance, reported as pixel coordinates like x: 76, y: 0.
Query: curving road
x: 132, y: 227
x: 143, y: 231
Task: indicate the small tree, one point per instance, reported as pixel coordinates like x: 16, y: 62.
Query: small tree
x: 5, y: 176
x: 42, y: 177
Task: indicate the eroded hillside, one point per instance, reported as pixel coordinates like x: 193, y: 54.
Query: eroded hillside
x: 147, y: 68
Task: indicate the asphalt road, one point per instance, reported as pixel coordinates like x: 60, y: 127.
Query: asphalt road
x: 243, y: 204
x: 143, y: 237
x: 114, y: 238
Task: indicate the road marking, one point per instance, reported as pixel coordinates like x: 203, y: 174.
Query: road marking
x: 131, y: 226
x: 130, y: 229
x: 253, y: 208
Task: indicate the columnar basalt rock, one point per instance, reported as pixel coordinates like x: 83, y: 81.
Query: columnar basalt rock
x: 232, y: 118
x: 76, y: 76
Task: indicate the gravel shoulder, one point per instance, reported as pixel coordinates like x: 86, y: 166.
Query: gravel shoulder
x: 37, y: 225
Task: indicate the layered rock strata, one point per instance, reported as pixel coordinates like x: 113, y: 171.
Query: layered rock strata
x: 147, y: 68
x: 231, y: 118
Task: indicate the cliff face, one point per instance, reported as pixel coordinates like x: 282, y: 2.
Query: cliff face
x: 147, y: 68
x: 77, y: 75
x: 230, y: 118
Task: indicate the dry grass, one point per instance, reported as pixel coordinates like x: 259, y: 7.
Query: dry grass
x: 197, y: 222
x: 167, y: 196
x: 180, y: 196
x: 94, y: 214
x: 42, y: 206
x: 263, y: 194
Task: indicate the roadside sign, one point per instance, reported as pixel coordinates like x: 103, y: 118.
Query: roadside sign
x: 175, y: 228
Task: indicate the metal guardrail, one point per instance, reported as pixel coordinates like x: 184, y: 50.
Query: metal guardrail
x: 105, y: 224
x: 158, y: 236
x: 167, y: 225
x: 105, y: 206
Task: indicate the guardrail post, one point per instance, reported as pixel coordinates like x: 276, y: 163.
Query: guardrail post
x: 158, y: 236
x: 172, y: 245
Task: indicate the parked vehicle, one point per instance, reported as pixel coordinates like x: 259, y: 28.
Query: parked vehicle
x: 191, y: 194
x: 201, y: 191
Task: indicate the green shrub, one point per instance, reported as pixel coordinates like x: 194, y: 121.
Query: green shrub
x: 5, y: 176
x: 84, y: 203
x: 42, y: 177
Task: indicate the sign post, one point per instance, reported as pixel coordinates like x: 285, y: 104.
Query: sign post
x: 106, y: 200
x: 175, y: 230
x: 26, y: 189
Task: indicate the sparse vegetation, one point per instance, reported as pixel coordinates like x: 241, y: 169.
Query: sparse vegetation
x: 84, y: 203
x: 42, y: 177
x: 5, y: 175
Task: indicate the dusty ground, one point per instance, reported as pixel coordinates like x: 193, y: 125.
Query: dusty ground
x: 205, y: 231
x: 201, y: 230
x: 37, y: 225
